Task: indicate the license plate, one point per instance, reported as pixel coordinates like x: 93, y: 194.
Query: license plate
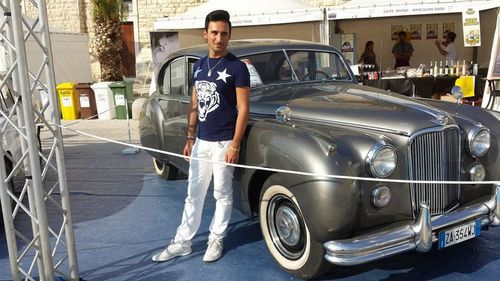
x: 459, y: 234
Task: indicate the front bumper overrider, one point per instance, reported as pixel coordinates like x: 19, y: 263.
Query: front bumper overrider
x: 418, y: 236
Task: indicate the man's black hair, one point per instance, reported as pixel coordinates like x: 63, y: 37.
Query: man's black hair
x: 217, y: 15
x: 452, y: 35
x: 402, y: 32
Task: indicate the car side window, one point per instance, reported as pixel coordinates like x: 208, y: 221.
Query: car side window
x: 314, y: 65
x: 177, y: 73
x: 191, y: 62
x: 268, y: 68
x: 174, y: 77
x: 166, y: 81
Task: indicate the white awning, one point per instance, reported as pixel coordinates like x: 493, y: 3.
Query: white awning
x: 244, y: 13
x: 383, y: 8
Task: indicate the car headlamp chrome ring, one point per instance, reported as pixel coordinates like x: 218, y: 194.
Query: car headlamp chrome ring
x: 381, y: 160
x: 479, y: 141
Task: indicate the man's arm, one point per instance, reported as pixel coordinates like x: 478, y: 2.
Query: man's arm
x: 440, y: 49
x: 192, y: 122
x: 243, y: 102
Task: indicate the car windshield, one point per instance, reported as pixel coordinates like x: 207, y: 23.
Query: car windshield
x: 292, y: 66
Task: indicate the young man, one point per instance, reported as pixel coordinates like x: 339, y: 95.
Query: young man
x: 448, y: 48
x: 218, y: 117
x: 402, y: 51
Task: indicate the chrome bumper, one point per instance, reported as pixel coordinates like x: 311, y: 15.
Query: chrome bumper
x: 418, y: 236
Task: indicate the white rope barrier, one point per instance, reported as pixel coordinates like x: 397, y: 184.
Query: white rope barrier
x: 319, y: 175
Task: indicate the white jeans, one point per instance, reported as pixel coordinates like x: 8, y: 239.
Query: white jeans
x: 200, y: 174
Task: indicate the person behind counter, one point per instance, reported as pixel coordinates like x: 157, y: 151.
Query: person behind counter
x: 447, y: 47
x: 402, y: 50
x: 368, y: 56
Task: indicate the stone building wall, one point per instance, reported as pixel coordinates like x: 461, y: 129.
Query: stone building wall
x: 64, y: 15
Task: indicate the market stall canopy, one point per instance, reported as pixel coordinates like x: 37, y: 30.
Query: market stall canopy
x: 244, y: 13
x: 383, y: 8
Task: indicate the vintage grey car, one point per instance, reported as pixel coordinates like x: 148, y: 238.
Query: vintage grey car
x: 308, y: 114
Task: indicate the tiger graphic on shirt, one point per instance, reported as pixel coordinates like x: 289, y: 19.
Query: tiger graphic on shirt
x: 208, y: 98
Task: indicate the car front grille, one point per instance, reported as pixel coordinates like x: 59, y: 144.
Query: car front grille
x: 435, y: 156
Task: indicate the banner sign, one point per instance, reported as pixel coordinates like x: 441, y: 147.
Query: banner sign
x: 471, y: 27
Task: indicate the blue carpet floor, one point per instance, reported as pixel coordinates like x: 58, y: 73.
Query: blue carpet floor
x: 123, y: 213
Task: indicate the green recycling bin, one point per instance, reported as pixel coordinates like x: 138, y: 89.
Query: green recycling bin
x: 122, y: 92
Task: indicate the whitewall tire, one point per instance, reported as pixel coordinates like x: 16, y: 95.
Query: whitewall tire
x: 165, y: 170
x: 286, y: 233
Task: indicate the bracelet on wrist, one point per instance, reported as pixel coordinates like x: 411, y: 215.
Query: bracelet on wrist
x: 190, y: 138
x: 234, y: 149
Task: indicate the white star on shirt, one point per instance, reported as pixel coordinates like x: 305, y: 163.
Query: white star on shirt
x: 196, y: 72
x: 223, y: 75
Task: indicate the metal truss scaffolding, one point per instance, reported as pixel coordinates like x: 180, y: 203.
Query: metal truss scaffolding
x: 47, y: 248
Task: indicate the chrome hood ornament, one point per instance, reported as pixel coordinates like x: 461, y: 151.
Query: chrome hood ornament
x: 441, y: 120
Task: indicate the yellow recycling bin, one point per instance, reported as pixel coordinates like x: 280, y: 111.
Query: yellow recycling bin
x: 68, y: 101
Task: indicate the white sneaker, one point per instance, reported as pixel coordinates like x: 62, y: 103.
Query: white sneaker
x: 214, y: 250
x: 173, y: 250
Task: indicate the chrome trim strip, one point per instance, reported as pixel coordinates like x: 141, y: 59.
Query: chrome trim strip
x: 350, y: 125
x: 418, y: 236
x: 337, y: 123
x: 495, y: 219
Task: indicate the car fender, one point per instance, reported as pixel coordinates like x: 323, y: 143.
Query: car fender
x: 151, y: 128
x: 330, y: 206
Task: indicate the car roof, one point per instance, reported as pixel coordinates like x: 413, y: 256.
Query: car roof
x: 253, y: 46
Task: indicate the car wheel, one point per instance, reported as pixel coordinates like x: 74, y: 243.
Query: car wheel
x: 286, y: 234
x: 164, y: 170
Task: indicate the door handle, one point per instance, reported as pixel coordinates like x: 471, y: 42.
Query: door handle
x: 185, y: 100
x: 158, y: 99
x: 181, y: 100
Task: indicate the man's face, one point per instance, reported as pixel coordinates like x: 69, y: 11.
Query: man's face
x: 217, y: 36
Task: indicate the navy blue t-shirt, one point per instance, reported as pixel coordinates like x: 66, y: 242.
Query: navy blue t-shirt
x: 217, y: 95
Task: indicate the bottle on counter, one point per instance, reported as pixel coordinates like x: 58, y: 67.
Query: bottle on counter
x: 475, y: 69
x: 440, y: 68
x: 435, y: 68
x: 446, y: 69
x: 452, y: 68
x: 431, y: 70
x: 457, y: 69
x: 463, y: 68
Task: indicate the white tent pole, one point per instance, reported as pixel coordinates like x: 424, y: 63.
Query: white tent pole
x: 493, y: 56
x: 325, y: 38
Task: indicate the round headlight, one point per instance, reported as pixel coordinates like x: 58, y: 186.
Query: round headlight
x: 381, y: 196
x: 381, y: 160
x: 479, y: 142
x: 477, y: 173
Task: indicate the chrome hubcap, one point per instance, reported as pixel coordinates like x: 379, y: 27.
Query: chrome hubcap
x: 288, y: 226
